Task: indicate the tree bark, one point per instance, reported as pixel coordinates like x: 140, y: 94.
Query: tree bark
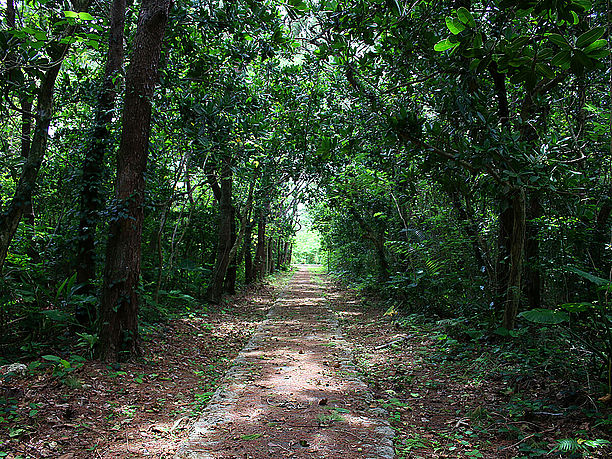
x: 22, y: 197
x: 93, y: 162
x: 261, y: 250
x: 516, y: 249
x: 270, y: 257
x: 249, y: 272
x: 119, y: 300
x: 229, y: 285
x: 533, y: 277
x: 214, y: 291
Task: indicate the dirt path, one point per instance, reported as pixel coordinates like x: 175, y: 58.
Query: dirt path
x: 292, y: 391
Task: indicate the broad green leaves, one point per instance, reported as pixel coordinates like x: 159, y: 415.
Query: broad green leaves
x: 466, y: 17
x: 589, y: 37
x: 445, y: 44
x: 545, y: 316
x: 526, y: 57
x: 456, y: 25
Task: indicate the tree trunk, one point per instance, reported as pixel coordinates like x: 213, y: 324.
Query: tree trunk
x: 290, y: 255
x: 502, y: 267
x: 270, y: 257
x: 533, y: 278
x: 21, y: 202
x: 214, y: 291
x: 119, y: 301
x: 28, y: 212
x: 515, y: 266
x: 249, y: 272
x: 93, y: 162
x: 379, y: 244
x: 261, y: 251
x: 229, y: 285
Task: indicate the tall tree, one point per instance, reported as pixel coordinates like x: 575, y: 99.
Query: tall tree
x: 93, y: 161
x: 21, y: 201
x: 119, y: 302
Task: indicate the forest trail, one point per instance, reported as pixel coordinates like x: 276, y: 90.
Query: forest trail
x: 292, y: 391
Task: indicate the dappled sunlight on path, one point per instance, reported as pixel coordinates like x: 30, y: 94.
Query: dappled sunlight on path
x: 292, y: 391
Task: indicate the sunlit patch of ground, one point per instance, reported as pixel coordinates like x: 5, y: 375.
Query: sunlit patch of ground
x: 291, y: 394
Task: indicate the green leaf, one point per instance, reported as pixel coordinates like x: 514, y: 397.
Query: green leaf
x: 597, y: 44
x: 576, y: 307
x: 599, y: 281
x: 545, y: 70
x: 545, y: 316
x: 559, y: 40
x: 589, y: 37
x: 254, y: 436
x: 454, y: 25
x: 85, y: 16
x: 445, y: 44
x: 57, y: 315
x: 582, y: 59
x: 298, y: 5
x: 52, y: 358
x: 561, y: 59
x: 585, y: 5
x: 466, y: 17
x: 71, y: 14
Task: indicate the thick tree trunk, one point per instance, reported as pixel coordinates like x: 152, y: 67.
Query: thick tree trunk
x: 515, y: 266
x: 119, y: 301
x: 214, y: 291
x: 383, y: 265
x: 28, y: 212
x: 93, y: 162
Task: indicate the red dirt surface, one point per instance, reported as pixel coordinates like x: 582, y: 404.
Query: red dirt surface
x: 293, y: 392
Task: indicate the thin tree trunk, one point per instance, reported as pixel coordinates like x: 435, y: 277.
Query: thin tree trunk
x: 249, y: 274
x: 261, y: 251
x: 22, y: 197
x: 120, y: 301
x: 270, y: 257
x: 533, y: 277
x: 93, y: 162
x: 502, y: 268
x: 229, y: 285
x: 517, y: 245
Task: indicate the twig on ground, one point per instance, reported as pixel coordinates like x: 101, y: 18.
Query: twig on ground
x: 525, y: 439
x: 391, y: 343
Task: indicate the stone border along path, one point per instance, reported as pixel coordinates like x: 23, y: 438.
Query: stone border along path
x: 292, y: 391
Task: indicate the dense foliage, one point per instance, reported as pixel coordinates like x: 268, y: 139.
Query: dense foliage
x: 454, y: 156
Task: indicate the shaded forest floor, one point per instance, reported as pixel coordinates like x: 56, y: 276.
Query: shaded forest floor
x: 448, y: 395
x: 445, y: 396
x: 92, y: 410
